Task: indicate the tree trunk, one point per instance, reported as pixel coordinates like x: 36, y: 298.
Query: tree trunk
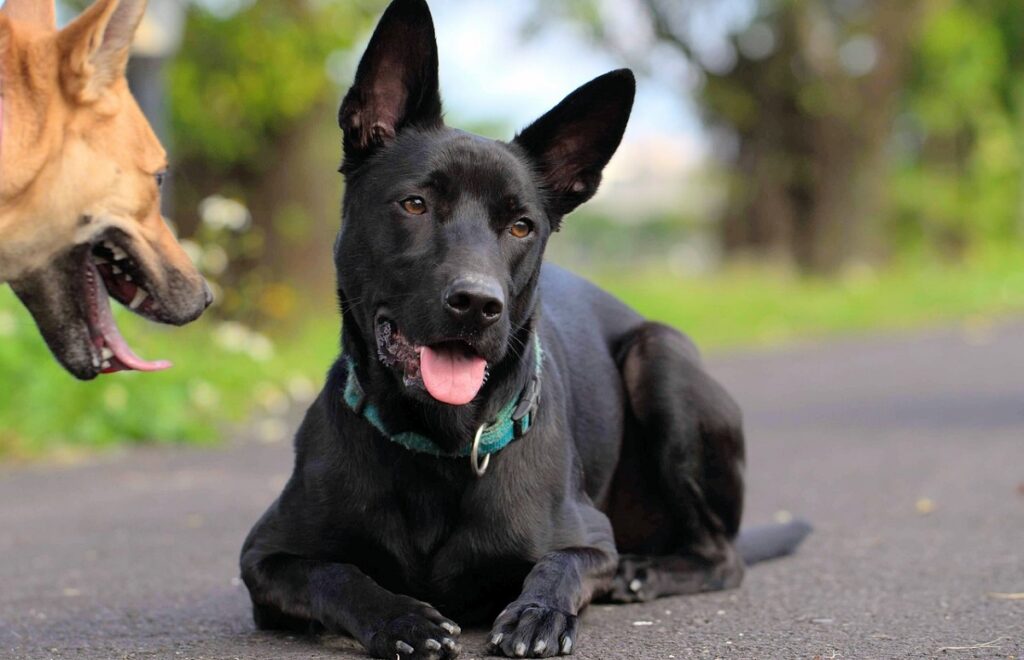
x: 810, y: 173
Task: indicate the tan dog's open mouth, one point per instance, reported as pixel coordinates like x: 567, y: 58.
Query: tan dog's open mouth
x: 112, y: 273
x: 70, y: 301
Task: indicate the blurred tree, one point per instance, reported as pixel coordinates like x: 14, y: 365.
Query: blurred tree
x: 253, y: 95
x: 812, y: 117
x: 959, y: 142
x: 808, y: 90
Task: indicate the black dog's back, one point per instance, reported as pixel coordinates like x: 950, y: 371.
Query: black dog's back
x: 599, y: 328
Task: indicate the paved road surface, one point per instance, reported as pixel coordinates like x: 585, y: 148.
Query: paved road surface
x: 135, y: 556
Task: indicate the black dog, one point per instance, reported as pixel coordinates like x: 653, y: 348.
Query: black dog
x: 496, y: 431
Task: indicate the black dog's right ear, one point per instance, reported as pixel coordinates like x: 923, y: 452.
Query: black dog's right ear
x: 396, y: 84
x: 572, y: 143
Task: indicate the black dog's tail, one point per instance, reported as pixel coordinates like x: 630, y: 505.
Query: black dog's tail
x: 770, y: 541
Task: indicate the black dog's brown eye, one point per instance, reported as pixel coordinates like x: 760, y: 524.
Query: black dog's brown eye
x: 414, y: 205
x: 521, y: 228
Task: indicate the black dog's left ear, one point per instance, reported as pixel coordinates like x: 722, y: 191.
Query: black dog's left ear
x: 572, y: 143
x: 396, y: 83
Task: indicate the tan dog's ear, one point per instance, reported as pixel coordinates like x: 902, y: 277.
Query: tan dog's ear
x: 95, y: 47
x: 40, y: 13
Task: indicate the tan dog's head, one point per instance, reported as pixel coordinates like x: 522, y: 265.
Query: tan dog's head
x: 80, y: 173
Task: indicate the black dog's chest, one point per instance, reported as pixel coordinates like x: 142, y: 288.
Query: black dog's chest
x: 426, y: 541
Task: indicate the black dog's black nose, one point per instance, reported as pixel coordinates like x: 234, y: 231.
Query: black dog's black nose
x: 475, y: 301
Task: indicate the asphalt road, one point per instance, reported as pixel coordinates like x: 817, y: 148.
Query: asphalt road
x: 907, y: 452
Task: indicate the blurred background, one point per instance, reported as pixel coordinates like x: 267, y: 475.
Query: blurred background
x: 795, y: 169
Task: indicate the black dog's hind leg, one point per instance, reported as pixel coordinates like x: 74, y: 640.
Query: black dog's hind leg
x: 289, y: 591
x: 678, y: 493
x: 543, y: 620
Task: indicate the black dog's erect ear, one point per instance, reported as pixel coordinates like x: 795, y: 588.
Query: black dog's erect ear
x: 572, y: 143
x: 396, y: 84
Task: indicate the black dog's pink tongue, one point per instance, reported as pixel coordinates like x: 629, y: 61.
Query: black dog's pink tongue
x: 451, y: 375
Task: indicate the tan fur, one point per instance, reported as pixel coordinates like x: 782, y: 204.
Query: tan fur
x: 77, y: 156
x: 40, y: 14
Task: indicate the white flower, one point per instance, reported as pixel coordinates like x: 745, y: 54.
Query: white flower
x: 214, y: 260
x: 272, y: 399
x: 8, y: 324
x: 237, y: 338
x: 192, y: 249
x: 219, y: 212
x: 301, y: 389
x: 204, y: 395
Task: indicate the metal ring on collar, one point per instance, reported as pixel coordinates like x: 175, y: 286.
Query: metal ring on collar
x: 479, y: 467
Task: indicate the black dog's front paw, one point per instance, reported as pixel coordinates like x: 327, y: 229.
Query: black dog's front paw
x: 528, y: 630
x: 420, y: 633
x: 633, y: 582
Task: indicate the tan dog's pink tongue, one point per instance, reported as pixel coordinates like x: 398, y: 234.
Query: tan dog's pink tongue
x: 451, y: 376
x: 125, y: 358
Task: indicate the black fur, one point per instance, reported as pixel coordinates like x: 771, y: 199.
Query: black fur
x: 635, y: 450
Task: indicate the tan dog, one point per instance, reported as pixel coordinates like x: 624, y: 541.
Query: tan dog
x: 80, y: 173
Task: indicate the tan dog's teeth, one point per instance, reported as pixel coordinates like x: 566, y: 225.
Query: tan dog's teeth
x: 118, y: 253
x: 107, y: 353
x: 140, y: 297
x: 116, y: 270
x: 128, y: 278
x: 106, y: 364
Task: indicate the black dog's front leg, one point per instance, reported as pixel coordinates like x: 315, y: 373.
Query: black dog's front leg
x: 542, y: 622
x: 344, y: 600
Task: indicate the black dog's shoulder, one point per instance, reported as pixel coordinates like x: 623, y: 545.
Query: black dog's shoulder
x: 569, y: 298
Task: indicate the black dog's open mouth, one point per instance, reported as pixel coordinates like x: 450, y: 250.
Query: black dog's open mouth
x: 111, y: 271
x: 451, y: 372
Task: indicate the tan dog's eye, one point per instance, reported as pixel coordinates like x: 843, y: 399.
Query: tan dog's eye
x: 521, y: 228
x: 414, y: 205
x: 160, y: 176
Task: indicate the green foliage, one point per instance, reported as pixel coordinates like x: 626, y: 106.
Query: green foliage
x: 241, y: 81
x: 758, y: 306
x: 961, y: 164
x: 223, y: 373
x: 920, y: 152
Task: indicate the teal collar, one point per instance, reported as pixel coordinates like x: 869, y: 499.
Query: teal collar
x: 514, y: 420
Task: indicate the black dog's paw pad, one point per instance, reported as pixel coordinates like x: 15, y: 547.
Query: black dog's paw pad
x: 532, y: 631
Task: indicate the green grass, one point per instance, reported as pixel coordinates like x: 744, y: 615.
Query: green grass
x: 225, y: 374
x: 758, y: 307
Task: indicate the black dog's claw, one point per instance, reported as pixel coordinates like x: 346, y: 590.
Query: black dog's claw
x: 534, y: 631
x: 414, y: 631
